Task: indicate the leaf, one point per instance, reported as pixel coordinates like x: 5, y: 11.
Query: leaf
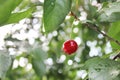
x: 16, y: 17
x: 39, y: 67
x: 114, y: 32
x: 6, y: 8
x: 39, y: 54
x: 113, y: 7
x: 110, y: 13
x: 85, y: 53
x: 112, y: 18
x: 91, y: 10
x: 114, y: 29
x: 38, y: 57
x: 17, y: 2
x: 55, y: 12
x: 5, y: 63
x: 103, y: 69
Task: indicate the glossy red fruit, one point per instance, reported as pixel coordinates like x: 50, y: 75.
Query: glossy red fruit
x: 70, y: 47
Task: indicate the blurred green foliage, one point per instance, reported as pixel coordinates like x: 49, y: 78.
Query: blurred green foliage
x: 37, y: 53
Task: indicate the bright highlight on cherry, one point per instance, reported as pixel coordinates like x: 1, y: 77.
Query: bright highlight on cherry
x: 70, y: 46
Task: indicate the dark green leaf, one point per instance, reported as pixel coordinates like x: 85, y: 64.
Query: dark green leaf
x: 103, y: 69
x: 55, y: 12
x: 16, y: 17
x: 89, y: 34
x: 5, y: 63
x: 85, y: 54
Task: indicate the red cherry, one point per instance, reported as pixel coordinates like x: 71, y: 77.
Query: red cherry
x: 70, y: 46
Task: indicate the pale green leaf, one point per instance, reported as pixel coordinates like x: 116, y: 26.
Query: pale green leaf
x: 114, y: 28
x: 110, y: 13
x: 114, y: 32
x: 5, y: 63
x: 103, y: 69
x: 39, y: 67
x: 38, y: 57
x: 16, y: 17
x: 6, y: 8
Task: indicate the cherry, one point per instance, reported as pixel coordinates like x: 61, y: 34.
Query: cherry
x: 70, y: 46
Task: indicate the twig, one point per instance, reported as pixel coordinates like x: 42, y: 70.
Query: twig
x: 117, y: 56
x: 95, y: 28
x: 72, y: 14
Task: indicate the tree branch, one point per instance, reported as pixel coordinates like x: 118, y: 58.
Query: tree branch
x: 72, y: 14
x: 117, y: 56
x: 95, y: 28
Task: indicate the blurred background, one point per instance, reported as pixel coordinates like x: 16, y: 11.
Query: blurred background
x: 37, y: 56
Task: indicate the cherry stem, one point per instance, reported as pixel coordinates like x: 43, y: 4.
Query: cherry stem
x: 95, y: 28
x: 71, y: 14
x: 71, y: 32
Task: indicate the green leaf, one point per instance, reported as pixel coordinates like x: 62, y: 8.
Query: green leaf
x: 39, y: 67
x: 103, y: 69
x: 5, y: 63
x: 16, y: 17
x: 17, y: 2
x: 112, y: 18
x: 38, y: 57
x: 114, y: 32
x: 110, y: 13
x: 39, y: 54
x: 55, y: 12
x: 114, y: 29
x: 6, y: 8
x: 90, y: 9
